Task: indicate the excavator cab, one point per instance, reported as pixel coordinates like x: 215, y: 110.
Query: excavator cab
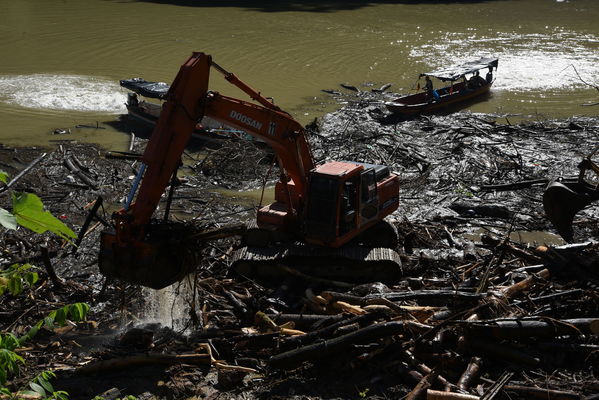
x: 346, y: 198
x: 562, y: 200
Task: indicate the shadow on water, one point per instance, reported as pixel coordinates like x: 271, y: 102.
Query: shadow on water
x: 305, y: 5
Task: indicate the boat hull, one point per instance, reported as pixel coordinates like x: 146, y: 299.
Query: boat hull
x: 419, y: 103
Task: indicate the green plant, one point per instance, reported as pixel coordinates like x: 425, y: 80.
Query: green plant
x: 9, y: 364
x: 463, y: 190
x: 9, y: 360
x: 28, y: 212
x: 75, y: 312
x: 39, y: 387
x: 14, y: 277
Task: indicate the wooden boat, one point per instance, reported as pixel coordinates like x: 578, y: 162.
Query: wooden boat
x: 147, y: 112
x: 459, y: 91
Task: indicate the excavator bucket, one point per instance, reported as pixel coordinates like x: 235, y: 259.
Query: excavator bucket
x: 562, y: 201
x: 161, y: 259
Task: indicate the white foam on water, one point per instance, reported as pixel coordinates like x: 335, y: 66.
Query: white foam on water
x: 530, y: 62
x: 63, y: 93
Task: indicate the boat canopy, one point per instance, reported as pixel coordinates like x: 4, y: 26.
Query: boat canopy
x: 456, y: 72
x: 153, y: 90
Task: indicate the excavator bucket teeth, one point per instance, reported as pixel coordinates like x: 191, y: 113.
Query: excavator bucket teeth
x: 156, y: 262
x: 562, y: 201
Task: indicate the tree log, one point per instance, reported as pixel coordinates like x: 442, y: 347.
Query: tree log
x: 134, y: 361
x: 438, y: 395
x: 293, y: 358
x: 519, y: 328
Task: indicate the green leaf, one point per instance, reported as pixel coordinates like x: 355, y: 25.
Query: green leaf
x: 32, y: 332
x: 60, y: 395
x: 45, y: 384
x: 3, y: 176
x: 37, y: 388
x: 49, y: 322
x: 31, y: 278
x: 29, y: 210
x: 15, y: 285
x: 7, y: 220
x: 61, y: 316
x: 29, y: 393
x: 78, y: 311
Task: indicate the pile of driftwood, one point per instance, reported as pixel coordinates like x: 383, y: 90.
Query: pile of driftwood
x: 482, y: 315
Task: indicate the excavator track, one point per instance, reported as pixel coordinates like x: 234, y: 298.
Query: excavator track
x: 353, y: 264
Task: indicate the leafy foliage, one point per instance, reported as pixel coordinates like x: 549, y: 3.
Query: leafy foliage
x: 9, y: 360
x: 75, y: 312
x: 9, y: 364
x: 41, y: 386
x: 14, y: 277
x: 9, y: 341
x: 29, y: 212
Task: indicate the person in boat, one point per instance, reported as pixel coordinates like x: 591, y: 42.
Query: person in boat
x: 464, y: 85
x: 428, y: 88
x: 489, y: 77
x: 476, y: 81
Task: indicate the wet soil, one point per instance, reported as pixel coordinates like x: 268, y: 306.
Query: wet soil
x: 458, y: 226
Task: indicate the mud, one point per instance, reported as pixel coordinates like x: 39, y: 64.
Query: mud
x: 456, y: 227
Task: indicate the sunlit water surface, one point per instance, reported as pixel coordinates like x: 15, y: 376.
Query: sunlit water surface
x: 62, y: 60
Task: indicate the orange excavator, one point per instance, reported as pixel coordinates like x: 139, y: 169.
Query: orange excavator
x: 332, y: 213
x: 562, y: 199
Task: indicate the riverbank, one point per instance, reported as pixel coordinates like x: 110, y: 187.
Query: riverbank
x: 483, y: 294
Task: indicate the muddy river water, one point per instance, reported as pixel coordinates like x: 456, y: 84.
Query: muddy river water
x: 62, y: 59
